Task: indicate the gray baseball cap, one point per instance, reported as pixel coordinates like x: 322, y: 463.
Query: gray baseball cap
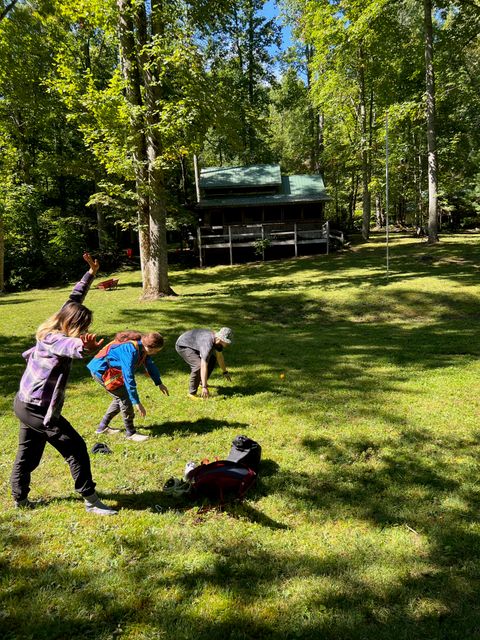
x: 225, y: 335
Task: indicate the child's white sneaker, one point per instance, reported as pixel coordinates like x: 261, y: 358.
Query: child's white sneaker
x: 138, y: 437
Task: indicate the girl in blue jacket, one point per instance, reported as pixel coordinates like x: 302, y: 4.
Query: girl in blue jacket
x: 128, y: 350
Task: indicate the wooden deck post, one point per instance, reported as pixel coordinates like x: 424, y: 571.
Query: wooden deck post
x: 295, y: 239
x: 199, y: 240
x: 327, y: 227
x: 263, y: 246
x: 230, y: 242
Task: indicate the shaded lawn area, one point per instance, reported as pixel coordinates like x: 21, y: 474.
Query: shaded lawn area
x: 365, y: 522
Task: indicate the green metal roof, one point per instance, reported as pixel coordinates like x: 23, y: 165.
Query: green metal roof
x: 303, y: 185
x: 300, y: 188
x: 264, y: 175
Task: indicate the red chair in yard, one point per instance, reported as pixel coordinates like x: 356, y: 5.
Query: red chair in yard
x: 108, y: 285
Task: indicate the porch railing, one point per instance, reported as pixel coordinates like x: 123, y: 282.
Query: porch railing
x: 273, y: 234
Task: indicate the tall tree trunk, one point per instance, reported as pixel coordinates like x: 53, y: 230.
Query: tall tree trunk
x: 417, y: 181
x: 352, y: 200
x: 379, y: 218
x: 315, y: 120
x: 311, y: 111
x: 2, y: 254
x: 102, y: 228
x: 238, y: 47
x: 102, y: 233
x: 155, y: 278
x: 366, y: 200
x: 251, y: 78
x: 431, y: 132
x: 134, y: 98
x: 149, y: 178
x: 320, y: 120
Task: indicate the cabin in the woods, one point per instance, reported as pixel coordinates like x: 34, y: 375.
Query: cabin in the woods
x: 252, y: 211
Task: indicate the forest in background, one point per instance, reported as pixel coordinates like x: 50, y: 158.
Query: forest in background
x: 104, y: 103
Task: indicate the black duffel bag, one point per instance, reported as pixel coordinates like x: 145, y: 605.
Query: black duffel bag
x: 245, y: 451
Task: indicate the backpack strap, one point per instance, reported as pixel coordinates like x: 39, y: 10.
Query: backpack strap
x: 104, y: 350
x: 103, y: 353
x: 143, y: 356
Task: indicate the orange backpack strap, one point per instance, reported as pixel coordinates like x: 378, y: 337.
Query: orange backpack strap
x: 104, y: 351
x: 142, y: 356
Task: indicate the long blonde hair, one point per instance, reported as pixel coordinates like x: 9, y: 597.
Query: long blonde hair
x: 72, y: 320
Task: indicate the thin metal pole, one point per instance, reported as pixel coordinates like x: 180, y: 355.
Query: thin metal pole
x: 199, y: 238
x: 197, y: 176
x: 387, y: 227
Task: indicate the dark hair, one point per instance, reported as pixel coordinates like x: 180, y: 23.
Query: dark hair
x: 125, y: 336
x: 151, y: 340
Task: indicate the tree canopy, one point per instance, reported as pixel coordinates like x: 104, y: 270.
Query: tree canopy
x: 104, y: 103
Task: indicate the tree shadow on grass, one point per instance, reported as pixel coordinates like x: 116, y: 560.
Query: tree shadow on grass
x: 9, y: 299
x: 377, y: 479
x: 415, y: 495
x: 407, y: 262
x: 237, y: 390
x: 12, y: 366
x: 158, y: 502
x: 193, y: 427
x: 410, y: 501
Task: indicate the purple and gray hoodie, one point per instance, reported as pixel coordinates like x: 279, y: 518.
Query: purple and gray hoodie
x: 49, y: 362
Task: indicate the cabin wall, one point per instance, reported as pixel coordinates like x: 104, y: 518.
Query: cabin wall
x: 256, y: 215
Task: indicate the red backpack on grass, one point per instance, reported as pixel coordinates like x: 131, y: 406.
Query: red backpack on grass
x: 221, y: 480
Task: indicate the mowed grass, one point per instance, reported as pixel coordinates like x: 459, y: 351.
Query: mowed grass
x: 365, y: 521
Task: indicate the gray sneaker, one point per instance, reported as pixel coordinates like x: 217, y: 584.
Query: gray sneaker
x: 176, y: 487
x: 137, y: 437
x: 25, y: 504
x: 93, y: 504
x: 107, y: 430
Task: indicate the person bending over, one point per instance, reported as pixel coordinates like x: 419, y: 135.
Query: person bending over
x: 119, y: 359
x: 202, y: 350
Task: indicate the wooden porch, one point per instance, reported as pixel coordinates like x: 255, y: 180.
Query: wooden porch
x: 266, y: 235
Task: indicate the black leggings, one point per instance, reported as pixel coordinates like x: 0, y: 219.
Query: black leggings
x: 31, y: 444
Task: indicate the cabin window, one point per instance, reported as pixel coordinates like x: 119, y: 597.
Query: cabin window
x: 253, y: 215
x: 312, y: 212
x: 233, y: 216
x: 292, y: 214
x: 272, y: 214
x: 216, y: 218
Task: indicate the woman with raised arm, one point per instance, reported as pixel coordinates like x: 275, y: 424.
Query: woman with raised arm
x: 39, y: 401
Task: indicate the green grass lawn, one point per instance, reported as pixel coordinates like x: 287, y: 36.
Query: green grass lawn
x: 365, y: 522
